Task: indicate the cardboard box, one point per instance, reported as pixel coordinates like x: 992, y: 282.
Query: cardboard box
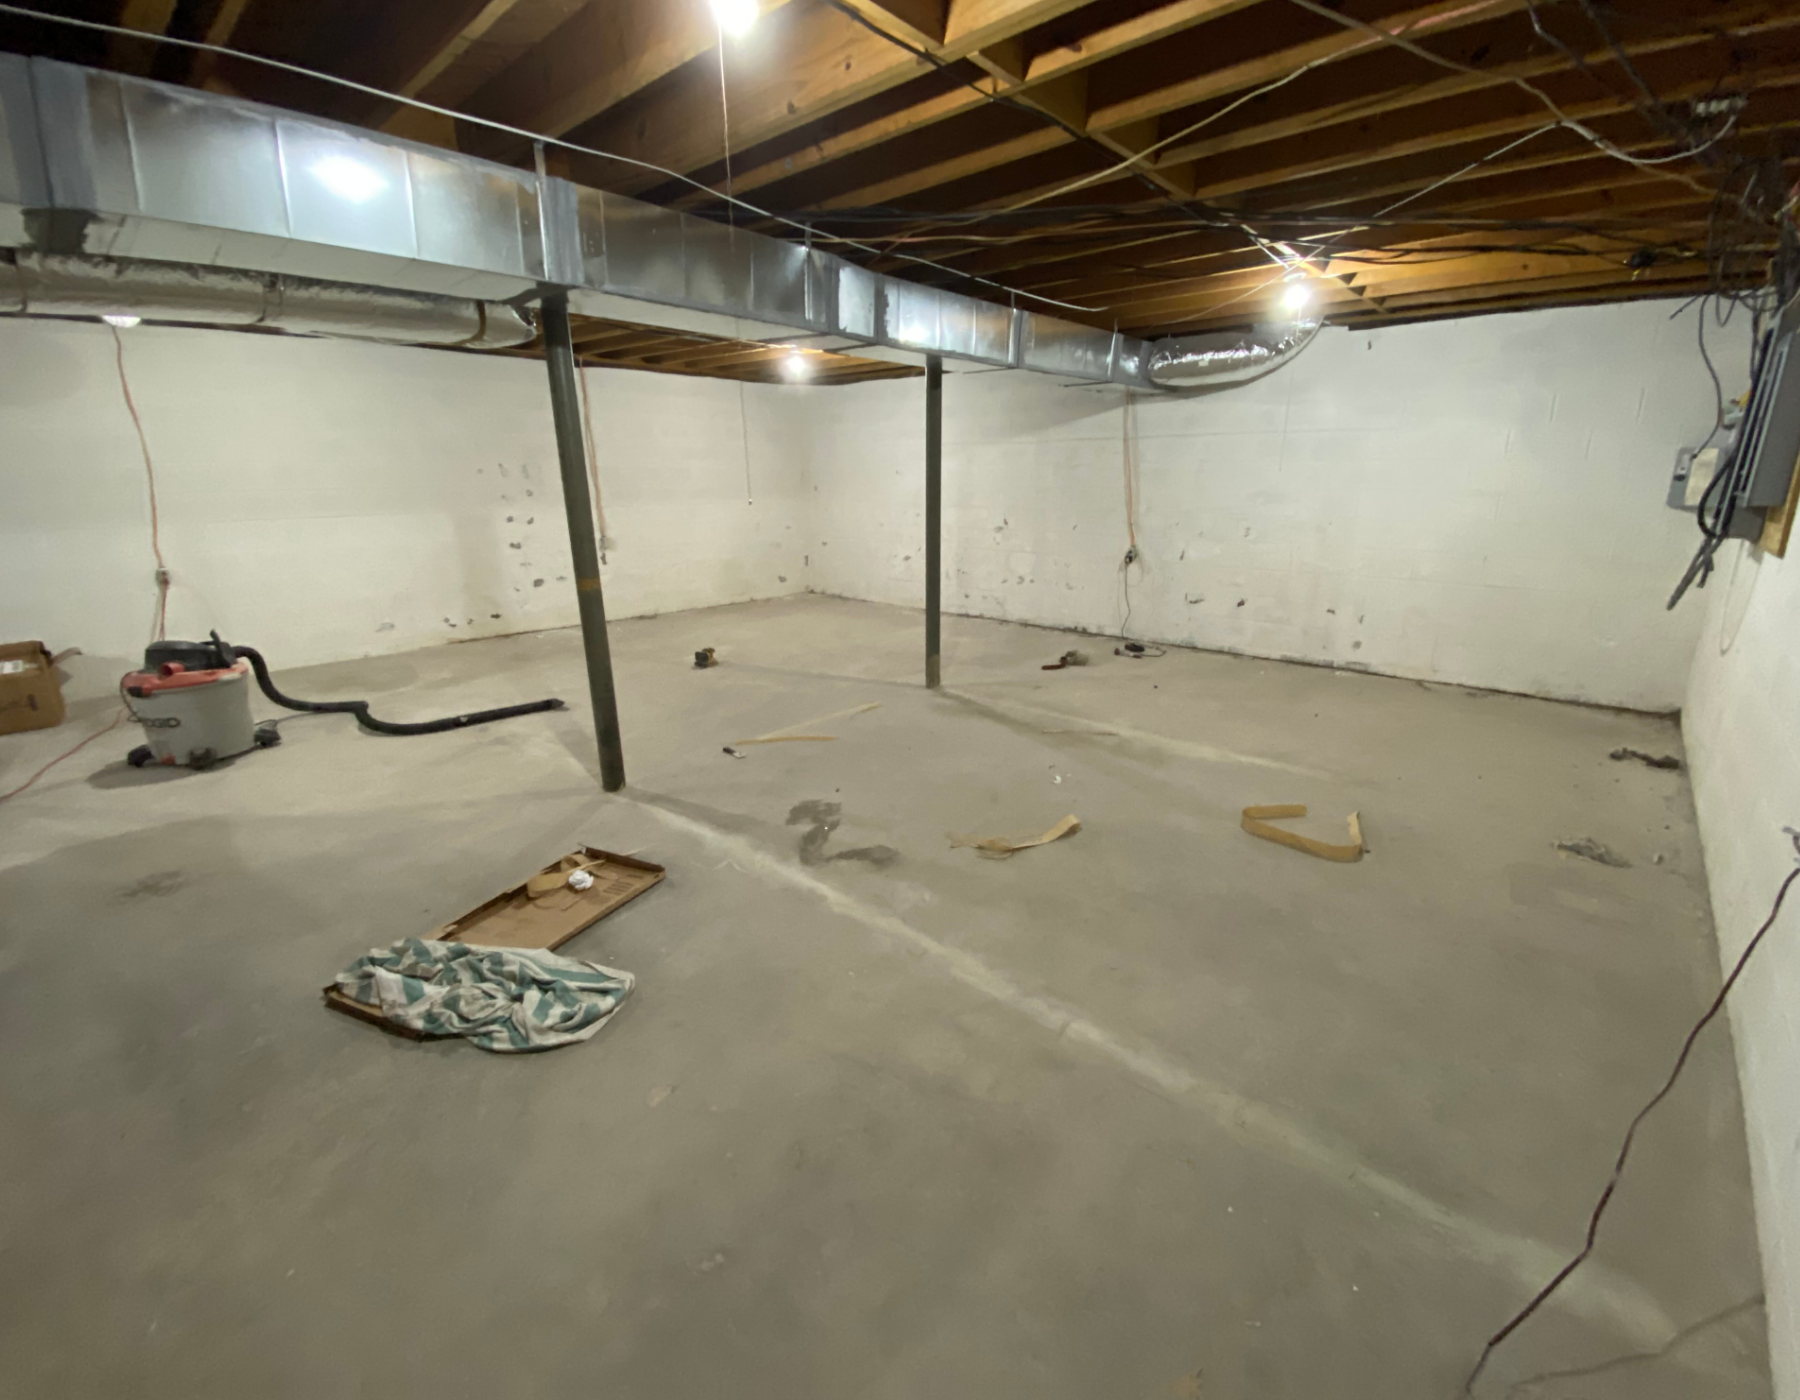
x: 30, y: 694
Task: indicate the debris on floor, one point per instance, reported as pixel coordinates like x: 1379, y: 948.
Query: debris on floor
x: 502, y: 999
x: 735, y: 753
x: 1066, y: 660
x: 787, y: 736
x: 705, y: 657
x: 1256, y: 821
x: 572, y: 872
x: 538, y: 914
x: 1668, y: 760
x: 825, y: 818
x: 1589, y: 849
x: 1003, y: 847
x: 1137, y: 651
x: 556, y: 891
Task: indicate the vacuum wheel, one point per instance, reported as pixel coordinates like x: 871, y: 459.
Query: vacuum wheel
x: 139, y: 756
x: 202, y: 759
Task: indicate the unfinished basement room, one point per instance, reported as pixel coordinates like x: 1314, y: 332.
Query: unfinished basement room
x: 899, y: 699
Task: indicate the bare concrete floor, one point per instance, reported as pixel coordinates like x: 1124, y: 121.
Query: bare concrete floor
x: 1158, y: 1111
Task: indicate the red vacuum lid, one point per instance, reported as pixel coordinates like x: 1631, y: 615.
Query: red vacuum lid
x: 172, y: 675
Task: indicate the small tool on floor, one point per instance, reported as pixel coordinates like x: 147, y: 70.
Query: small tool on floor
x: 1068, y: 659
x: 705, y: 657
x: 1137, y: 651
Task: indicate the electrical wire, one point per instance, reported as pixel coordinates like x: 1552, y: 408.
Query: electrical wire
x: 1075, y: 133
x: 162, y: 570
x: 1562, y: 117
x: 350, y: 84
x: 162, y: 567
x: 1132, y: 554
x: 593, y: 457
x: 117, y: 720
x: 725, y: 117
x: 1130, y: 471
x: 1138, y: 156
x: 1606, y: 1195
x: 1472, y: 165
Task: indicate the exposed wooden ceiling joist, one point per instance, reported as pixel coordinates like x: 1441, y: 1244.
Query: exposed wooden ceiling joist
x: 828, y: 60
x: 623, y: 345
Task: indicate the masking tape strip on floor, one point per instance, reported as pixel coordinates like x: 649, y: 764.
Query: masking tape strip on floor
x: 1000, y: 847
x: 1256, y: 823
x: 782, y: 736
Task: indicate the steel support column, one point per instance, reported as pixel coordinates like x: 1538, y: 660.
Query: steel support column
x: 584, y: 548
x: 934, y: 518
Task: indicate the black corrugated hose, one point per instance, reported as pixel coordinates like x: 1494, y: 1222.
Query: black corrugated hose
x: 360, y: 708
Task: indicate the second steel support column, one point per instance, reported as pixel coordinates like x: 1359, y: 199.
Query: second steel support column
x: 565, y: 409
x: 934, y: 517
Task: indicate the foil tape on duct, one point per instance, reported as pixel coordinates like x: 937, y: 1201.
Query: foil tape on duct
x: 49, y: 285
x: 1200, y: 359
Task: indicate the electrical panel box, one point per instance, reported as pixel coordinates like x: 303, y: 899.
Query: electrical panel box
x: 1771, y: 433
x: 1757, y: 458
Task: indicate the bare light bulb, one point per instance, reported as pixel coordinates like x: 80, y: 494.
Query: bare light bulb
x: 1297, y: 295
x: 797, y: 366
x: 735, y: 17
x: 120, y: 320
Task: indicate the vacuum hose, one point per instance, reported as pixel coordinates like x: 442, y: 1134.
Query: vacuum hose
x: 360, y: 708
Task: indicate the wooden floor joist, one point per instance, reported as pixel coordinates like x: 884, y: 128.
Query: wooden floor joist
x: 607, y: 344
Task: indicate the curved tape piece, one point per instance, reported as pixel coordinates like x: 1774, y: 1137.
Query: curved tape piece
x: 1256, y: 823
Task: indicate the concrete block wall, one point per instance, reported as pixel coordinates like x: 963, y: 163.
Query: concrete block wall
x: 1476, y: 501
x: 1742, y: 727
x: 327, y: 499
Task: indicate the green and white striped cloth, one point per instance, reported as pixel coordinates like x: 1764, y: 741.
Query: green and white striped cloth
x: 506, y: 999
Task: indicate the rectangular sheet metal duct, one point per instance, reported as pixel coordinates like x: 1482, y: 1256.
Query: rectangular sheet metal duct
x: 107, y: 164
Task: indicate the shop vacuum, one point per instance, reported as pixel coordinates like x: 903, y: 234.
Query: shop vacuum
x: 193, y: 699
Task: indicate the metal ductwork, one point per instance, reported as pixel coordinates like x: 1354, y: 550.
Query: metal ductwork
x: 104, y: 165
x: 1186, y: 361
x: 48, y: 284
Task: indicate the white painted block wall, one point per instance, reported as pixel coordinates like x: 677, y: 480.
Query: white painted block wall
x: 329, y: 499
x: 1476, y: 501
x: 1742, y: 727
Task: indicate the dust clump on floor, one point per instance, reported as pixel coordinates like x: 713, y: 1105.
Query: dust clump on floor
x: 1589, y: 849
x: 825, y: 818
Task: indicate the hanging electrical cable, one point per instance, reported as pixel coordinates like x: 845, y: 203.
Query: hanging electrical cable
x: 1077, y: 134
x: 161, y: 628
x: 593, y: 457
x: 1396, y: 39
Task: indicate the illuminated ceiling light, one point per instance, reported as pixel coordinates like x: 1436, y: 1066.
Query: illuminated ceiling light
x: 120, y: 320
x: 1297, y: 295
x: 797, y: 366
x: 735, y: 17
x: 348, y: 178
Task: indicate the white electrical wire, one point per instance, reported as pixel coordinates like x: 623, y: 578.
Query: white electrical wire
x: 1475, y: 164
x: 226, y: 51
x: 1562, y: 117
x: 1138, y: 157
